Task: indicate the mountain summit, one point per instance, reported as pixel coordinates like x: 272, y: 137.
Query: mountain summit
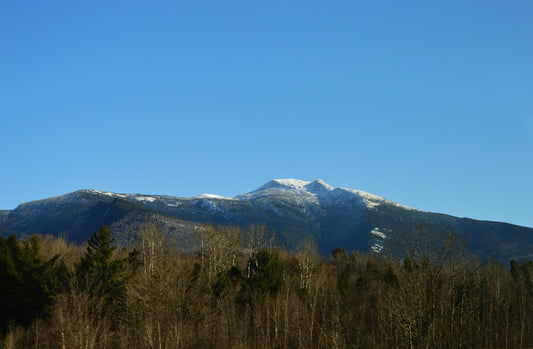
x: 296, y: 184
x: 295, y: 210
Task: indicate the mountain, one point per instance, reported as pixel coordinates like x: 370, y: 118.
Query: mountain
x: 294, y: 209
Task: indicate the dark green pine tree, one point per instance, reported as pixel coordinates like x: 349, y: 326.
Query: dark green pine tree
x: 266, y: 272
x: 100, y: 274
x: 28, y: 281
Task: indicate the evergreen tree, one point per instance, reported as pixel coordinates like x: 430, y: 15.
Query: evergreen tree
x: 28, y: 281
x: 266, y: 272
x: 98, y: 272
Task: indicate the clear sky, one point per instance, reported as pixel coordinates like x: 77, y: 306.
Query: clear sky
x: 427, y: 103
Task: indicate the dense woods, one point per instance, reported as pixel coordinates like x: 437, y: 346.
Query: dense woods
x: 240, y: 291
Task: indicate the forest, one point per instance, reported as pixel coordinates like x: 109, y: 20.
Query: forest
x: 240, y: 290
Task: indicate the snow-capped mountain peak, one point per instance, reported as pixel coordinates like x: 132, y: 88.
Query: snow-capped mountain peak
x: 292, y: 188
x: 287, y: 183
x: 296, y: 184
x: 318, y: 187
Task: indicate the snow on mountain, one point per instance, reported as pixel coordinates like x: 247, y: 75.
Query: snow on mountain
x: 316, y: 190
x: 106, y: 193
x: 287, y: 183
x: 311, y: 192
x: 373, y: 201
x: 288, y: 186
x: 379, y: 240
x: 318, y: 187
x: 213, y: 196
x: 294, y: 209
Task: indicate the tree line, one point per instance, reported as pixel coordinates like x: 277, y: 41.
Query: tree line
x: 239, y: 290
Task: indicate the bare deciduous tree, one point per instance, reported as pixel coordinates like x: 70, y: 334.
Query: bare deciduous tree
x: 152, y: 241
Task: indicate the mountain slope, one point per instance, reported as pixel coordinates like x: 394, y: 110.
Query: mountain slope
x: 77, y: 215
x: 295, y: 210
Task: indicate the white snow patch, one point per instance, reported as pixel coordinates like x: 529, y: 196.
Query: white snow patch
x: 376, y: 232
x: 211, y: 196
x: 145, y: 198
x: 377, y: 248
x: 114, y: 195
x: 108, y: 193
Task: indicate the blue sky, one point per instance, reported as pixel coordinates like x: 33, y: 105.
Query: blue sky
x: 427, y: 103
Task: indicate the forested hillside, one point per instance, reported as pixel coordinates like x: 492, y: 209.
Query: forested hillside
x: 239, y: 290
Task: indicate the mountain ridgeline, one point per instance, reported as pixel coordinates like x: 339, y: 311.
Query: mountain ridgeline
x: 293, y: 210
